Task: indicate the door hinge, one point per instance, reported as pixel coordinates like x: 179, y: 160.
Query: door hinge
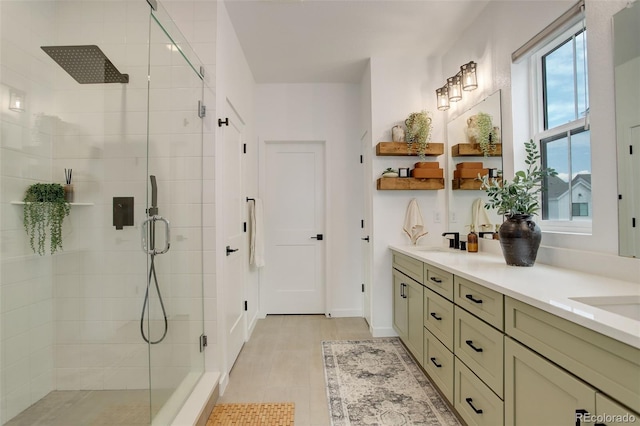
x: 361, y: 159
x: 202, y: 110
x: 221, y: 122
x: 619, y: 196
x: 630, y: 149
x: 244, y: 148
x: 363, y: 287
x: 633, y: 222
x: 244, y: 226
x: 203, y: 342
x: 246, y: 305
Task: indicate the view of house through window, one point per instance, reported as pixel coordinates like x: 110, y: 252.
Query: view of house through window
x: 565, y: 142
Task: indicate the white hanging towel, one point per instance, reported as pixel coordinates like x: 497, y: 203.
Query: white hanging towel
x: 413, y: 223
x: 480, y: 217
x: 256, y: 249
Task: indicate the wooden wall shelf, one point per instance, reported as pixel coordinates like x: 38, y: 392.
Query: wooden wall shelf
x: 400, y: 148
x: 466, y: 183
x: 473, y: 150
x: 409, y: 184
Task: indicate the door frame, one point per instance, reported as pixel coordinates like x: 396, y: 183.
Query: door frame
x: 262, y: 161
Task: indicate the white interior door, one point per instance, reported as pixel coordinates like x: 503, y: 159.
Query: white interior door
x: 293, y: 186
x: 366, y: 227
x: 233, y: 207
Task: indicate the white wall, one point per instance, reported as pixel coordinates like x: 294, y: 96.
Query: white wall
x: 330, y: 113
x: 234, y: 90
x: 503, y: 27
x: 399, y: 87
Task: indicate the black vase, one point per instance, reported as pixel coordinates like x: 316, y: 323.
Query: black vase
x: 520, y: 239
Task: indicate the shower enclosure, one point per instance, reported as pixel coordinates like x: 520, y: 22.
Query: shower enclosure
x: 107, y: 331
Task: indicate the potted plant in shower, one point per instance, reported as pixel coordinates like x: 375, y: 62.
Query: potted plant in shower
x: 518, y: 201
x: 45, y: 208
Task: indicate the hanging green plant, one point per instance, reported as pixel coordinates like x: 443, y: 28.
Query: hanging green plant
x: 481, y: 130
x: 44, y: 210
x: 418, y: 132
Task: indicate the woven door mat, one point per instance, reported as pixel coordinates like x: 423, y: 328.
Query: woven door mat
x: 252, y: 414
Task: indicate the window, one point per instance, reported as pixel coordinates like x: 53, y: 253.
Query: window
x: 561, y: 125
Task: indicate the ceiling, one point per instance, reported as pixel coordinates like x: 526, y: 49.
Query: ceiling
x: 324, y: 41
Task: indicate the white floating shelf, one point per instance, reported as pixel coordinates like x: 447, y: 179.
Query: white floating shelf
x: 21, y: 203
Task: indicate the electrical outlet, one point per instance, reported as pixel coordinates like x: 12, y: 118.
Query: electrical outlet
x: 436, y: 217
x: 453, y: 218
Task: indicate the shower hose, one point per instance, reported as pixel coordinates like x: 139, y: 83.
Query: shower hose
x: 152, y: 275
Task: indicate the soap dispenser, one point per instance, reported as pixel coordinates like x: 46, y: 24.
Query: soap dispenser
x: 472, y: 240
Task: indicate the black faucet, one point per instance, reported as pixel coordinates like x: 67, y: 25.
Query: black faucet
x: 455, y: 241
x: 482, y: 234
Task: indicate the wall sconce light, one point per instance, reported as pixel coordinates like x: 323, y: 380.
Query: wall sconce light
x: 469, y: 78
x: 455, y: 87
x: 442, y: 96
x: 16, y: 101
x: 466, y: 79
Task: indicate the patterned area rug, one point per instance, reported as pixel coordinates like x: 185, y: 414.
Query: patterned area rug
x: 252, y: 414
x: 376, y: 382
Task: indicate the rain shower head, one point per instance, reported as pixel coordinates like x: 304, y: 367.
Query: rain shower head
x: 86, y: 64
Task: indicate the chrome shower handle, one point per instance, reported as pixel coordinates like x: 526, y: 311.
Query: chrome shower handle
x: 144, y: 228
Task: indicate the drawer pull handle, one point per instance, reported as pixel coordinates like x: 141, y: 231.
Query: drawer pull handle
x: 436, y: 280
x: 435, y: 316
x: 470, y: 297
x: 433, y: 360
x: 470, y: 343
x: 470, y: 402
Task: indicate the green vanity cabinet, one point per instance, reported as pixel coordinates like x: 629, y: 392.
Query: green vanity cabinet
x: 500, y: 361
x: 537, y: 392
x: 408, y: 303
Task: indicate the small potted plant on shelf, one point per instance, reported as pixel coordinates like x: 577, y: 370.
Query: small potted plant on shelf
x: 45, y: 208
x: 518, y: 201
x: 390, y: 173
x: 418, y: 132
x: 480, y: 130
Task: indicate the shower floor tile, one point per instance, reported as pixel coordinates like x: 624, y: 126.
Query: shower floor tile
x: 87, y: 408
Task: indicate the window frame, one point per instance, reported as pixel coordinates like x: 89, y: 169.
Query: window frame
x: 576, y: 224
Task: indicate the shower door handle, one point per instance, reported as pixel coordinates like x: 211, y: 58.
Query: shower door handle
x: 167, y: 233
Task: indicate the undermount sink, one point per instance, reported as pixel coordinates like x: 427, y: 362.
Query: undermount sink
x: 627, y: 306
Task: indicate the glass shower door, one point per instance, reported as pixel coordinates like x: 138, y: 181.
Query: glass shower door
x: 173, y: 319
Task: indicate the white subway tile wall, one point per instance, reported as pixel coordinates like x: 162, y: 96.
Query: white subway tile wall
x: 71, y: 320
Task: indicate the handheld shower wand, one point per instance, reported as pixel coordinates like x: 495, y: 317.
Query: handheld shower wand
x: 149, y: 225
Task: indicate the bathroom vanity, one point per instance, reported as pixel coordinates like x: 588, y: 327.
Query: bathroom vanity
x: 520, y: 346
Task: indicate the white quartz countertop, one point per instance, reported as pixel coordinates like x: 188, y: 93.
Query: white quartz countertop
x: 549, y: 288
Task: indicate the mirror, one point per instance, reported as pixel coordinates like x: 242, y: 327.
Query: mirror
x: 626, y: 59
x: 464, y: 165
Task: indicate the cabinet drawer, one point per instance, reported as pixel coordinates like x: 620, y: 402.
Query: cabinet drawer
x: 438, y: 317
x: 474, y: 401
x: 612, y: 413
x: 607, y: 364
x: 481, y: 348
x: 409, y: 266
x: 480, y: 301
x: 438, y: 363
x: 439, y: 281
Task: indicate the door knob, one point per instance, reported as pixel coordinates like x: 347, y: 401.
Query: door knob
x: 318, y: 237
x: 230, y: 250
x: 365, y: 238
